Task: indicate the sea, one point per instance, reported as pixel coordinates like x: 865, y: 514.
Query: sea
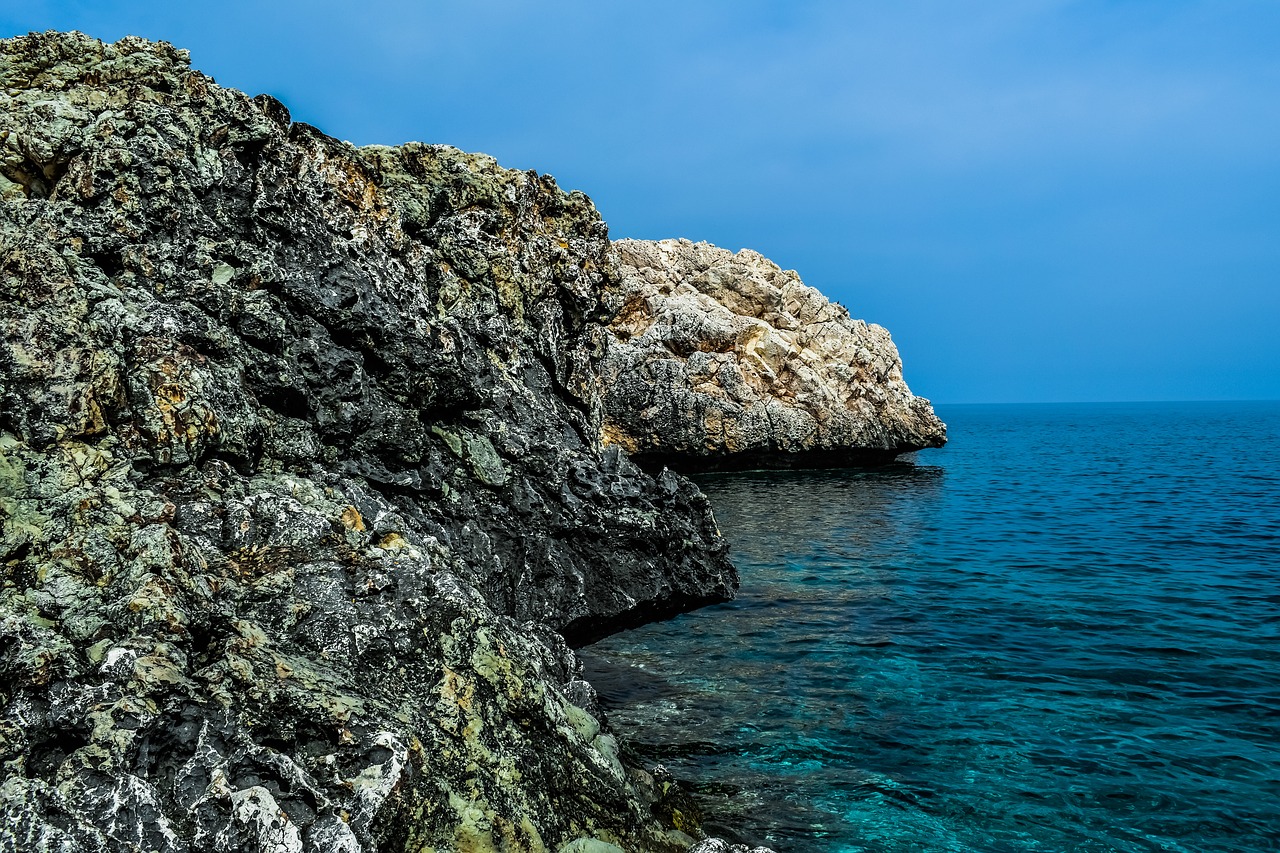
x: 1061, y: 632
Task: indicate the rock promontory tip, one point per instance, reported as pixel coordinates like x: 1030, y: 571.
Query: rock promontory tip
x: 719, y: 360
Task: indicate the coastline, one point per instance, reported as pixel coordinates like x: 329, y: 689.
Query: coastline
x: 306, y: 476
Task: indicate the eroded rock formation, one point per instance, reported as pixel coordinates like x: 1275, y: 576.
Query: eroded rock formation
x: 300, y: 477
x: 723, y: 360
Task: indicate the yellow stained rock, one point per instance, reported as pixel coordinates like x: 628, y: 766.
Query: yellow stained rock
x: 352, y: 519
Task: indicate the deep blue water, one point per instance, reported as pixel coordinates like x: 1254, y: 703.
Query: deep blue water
x: 1059, y: 633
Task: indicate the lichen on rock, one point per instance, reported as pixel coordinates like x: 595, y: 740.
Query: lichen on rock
x: 301, y: 483
x: 724, y: 360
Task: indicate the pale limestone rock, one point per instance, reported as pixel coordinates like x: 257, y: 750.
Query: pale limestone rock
x: 723, y: 360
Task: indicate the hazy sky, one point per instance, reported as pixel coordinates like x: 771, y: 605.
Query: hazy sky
x: 1042, y: 200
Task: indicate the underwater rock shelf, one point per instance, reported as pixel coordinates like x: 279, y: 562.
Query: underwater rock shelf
x: 304, y: 484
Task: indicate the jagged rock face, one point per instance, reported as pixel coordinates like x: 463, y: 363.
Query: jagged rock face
x: 300, y: 474
x: 722, y: 360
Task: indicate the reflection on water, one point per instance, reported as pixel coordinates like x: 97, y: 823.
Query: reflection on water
x: 1061, y: 636
x: 766, y: 510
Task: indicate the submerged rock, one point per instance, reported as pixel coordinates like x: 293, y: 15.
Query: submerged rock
x: 301, y: 483
x: 718, y: 845
x: 721, y: 360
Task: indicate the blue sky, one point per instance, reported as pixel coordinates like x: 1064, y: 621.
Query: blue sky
x: 1042, y: 200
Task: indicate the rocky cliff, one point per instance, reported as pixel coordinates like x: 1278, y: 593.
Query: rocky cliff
x: 723, y: 360
x: 314, y: 467
x: 301, y: 484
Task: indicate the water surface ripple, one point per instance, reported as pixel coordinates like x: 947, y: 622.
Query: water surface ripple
x: 1060, y: 633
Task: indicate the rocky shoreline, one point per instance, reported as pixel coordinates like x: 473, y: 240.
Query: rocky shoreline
x: 314, y: 466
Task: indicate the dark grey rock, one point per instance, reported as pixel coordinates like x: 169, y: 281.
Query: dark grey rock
x: 301, y: 482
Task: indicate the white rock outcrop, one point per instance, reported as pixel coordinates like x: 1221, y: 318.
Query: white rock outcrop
x: 723, y: 360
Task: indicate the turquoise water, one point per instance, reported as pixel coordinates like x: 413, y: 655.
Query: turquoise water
x: 1059, y: 633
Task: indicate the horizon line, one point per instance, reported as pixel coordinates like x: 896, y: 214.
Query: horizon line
x: 934, y: 402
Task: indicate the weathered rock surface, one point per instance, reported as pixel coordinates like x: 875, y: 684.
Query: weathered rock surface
x: 300, y: 476
x: 723, y: 360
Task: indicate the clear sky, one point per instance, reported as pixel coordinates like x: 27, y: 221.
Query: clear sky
x: 1043, y: 200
